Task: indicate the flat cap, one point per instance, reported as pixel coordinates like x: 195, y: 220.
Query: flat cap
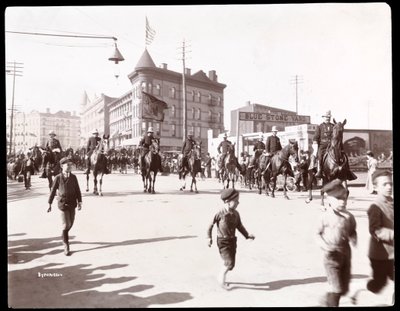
x: 336, y: 189
x: 379, y: 173
x: 65, y: 160
x: 229, y: 194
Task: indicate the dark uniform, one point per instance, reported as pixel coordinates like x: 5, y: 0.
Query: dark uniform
x: 51, y: 144
x: 91, y: 145
x: 145, y: 143
x: 322, y: 137
x: 226, y: 145
x: 258, y: 149
x: 273, y: 145
x: 187, y: 146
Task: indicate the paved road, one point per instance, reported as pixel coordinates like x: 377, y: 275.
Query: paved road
x: 133, y: 249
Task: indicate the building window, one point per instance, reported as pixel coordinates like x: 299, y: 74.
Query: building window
x: 150, y: 88
x: 192, y: 96
x: 173, y: 130
x: 219, y: 117
x: 198, y: 131
x: 209, y: 115
x: 172, y: 92
x: 193, y: 111
x: 198, y: 97
x: 158, y: 87
x: 173, y: 111
x: 219, y: 101
x: 198, y: 114
x: 144, y: 86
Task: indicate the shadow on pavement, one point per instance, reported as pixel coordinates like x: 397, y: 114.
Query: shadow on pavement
x: 125, y: 243
x: 276, y: 285
x: 79, y: 286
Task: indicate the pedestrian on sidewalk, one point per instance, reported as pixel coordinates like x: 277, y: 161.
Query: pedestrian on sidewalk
x: 69, y: 197
x: 27, y: 169
x: 381, y: 229
x: 337, y: 227
x: 372, y: 164
x: 227, y: 221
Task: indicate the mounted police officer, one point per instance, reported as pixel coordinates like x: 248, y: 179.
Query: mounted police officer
x: 226, y: 145
x: 145, y: 143
x: 187, y: 146
x: 258, y: 149
x: 273, y: 144
x: 91, y: 146
x: 322, y: 139
x: 53, y: 144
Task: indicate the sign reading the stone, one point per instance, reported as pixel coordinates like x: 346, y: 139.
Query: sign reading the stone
x: 277, y: 117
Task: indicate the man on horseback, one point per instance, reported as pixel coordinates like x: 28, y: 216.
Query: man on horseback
x: 273, y: 144
x: 145, y: 143
x: 258, y: 149
x: 53, y: 144
x: 187, y: 147
x: 226, y: 145
x: 322, y: 139
x: 91, y: 146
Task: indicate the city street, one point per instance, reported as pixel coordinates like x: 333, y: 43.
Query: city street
x: 133, y: 249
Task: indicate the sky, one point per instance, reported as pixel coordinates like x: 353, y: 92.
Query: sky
x: 340, y: 53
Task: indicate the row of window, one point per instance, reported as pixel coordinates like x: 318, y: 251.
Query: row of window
x: 194, y: 96
x: 196, y: 114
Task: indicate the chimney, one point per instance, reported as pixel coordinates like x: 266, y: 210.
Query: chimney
x: 47, y: 110
x: 187, y: 71
x: 248, y: 103
x: 164, y: 66
x: 212, y: 74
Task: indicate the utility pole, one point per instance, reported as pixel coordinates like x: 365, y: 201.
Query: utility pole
x: 184, y: 104
x: 13, y: 69
x: 296, y: 81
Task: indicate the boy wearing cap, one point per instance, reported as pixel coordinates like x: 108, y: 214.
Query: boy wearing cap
x: 69, y: 197
x: 227, y: 221
x: 337, y: 227
x: 381, y: 229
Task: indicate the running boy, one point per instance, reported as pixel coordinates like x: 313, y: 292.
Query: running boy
x: 227, y: 220
x: 336, y: 229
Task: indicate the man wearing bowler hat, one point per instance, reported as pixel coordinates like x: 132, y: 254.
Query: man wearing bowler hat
x: 91, y: 145
x: 322, y: 139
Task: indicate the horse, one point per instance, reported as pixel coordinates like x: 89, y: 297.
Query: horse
x: 98, y: 162
x: 53, y: 167
x: 14, y: 167
x: 37, y: 157
x: 150, y: 166
x: 193, y: 167
x: 335, y: 164
x: 229, y: 168
x: 279, y: 164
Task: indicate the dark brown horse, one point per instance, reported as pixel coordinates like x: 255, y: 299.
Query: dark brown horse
x: 335, y: 161
x: 99, y: 164
x: 150, y: 167
x: 279, y: 164
x: 229, y: 168
x: 193, y: 167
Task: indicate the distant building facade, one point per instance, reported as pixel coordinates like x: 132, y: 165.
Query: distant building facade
x: 204, y: 97
x: 30, y: 129
x: 94, y: 115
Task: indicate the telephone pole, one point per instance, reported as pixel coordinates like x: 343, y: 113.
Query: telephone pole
x: 13, y: 69
x: 184, y: 104
x: 296, y: 81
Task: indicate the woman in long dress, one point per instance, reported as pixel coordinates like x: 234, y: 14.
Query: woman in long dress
x: 372, y: 163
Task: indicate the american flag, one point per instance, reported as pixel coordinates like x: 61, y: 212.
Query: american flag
x: 150, y: 33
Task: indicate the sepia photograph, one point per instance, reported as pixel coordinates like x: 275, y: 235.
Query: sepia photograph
x: 196, y: 156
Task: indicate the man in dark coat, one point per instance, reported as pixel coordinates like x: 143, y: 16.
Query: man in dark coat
x: 273, y: 144
x: 91, y: 146
x: 258, y: 149
x: 225, y: 145
x: 53, y: 145
x: 187, y: 146
x: 322, y: 139
x: 145, y: 143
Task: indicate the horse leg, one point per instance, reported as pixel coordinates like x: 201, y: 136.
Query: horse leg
x: 183, y: 177
x: 310, y: 183
x: 195, y: 184
x: 273, y: 186
x: 95, y: 184
x: 87, y: 182
x: 101, y: 183
x: 154, y: 180
x: 144, y: 182
x: 284, y: 188
x: 324, y: 181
